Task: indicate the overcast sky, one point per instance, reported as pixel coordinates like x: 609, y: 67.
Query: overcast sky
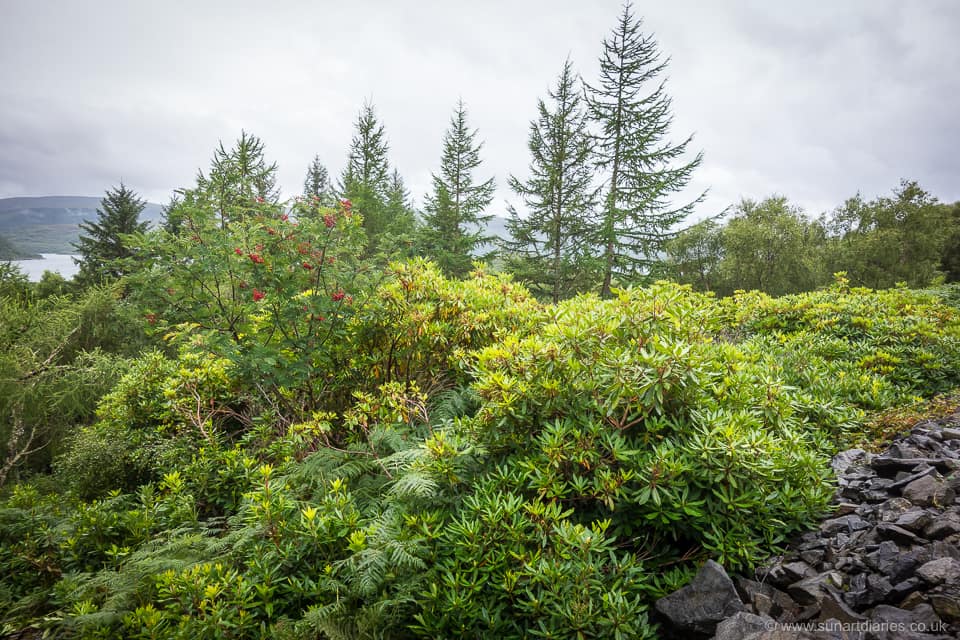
x: 813, y: 100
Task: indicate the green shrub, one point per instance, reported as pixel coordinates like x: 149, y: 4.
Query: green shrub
x: 454, y: 459
x: 418, y: 326
x: 511, y: 567
x: 864, y: 348
x: 629, y: 410
x: 58, y: 357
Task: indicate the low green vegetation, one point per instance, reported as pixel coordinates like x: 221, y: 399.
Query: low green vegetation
x: 325, y: 451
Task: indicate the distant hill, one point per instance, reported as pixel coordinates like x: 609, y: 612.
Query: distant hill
x: 50, y: 224
x: 10, y: 251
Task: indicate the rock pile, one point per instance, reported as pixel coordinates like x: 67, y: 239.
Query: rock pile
x: 885, y: 566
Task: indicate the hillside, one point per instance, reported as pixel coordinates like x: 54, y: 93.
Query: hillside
x: 10, y: 251
x: 50, y: 224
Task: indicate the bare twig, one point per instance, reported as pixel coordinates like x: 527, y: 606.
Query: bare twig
x: 17, y: 448
x: 53, y: 356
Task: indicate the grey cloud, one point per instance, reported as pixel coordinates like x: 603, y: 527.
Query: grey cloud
x: 815, y: 102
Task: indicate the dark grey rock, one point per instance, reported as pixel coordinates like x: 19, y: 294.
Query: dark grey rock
x: 888, y: 466
x: 875, y: 496
x: 893, y: 539
x: 938, y: 549
x: 902, y: 449
x: 763, y: 605
x: 813, y: 557
x: 764, y: 597
x: 953, y: 481
x: 880, y: 484
x: 922, y: 614
x: 910, y: 477
x: 864, y: 538
x: 892, y: 509
x: 846, y: 508
x: 809, y: 612
x: 943, y: 526
x: 811, y: 541
x: 850, y: 563
x: 950, y: 434
x: 915, y: 520
x: 904, y: 588
x: 913, y: 600
x: 895, y: 623
x: 846, y: 459
x: 740, y: 625
x: 699, y: 606
x: 940, y: 570
x: 905, y: 565
x: 928, y: 444
x: 901, y: 536
x: 848, y: 524
x: 785, y: 574
x: 884, y: 558
x: 866, y: 590
x: 928, y: 491
x: 832, y: 607
x: 812, y: 590
x: 946, y: 602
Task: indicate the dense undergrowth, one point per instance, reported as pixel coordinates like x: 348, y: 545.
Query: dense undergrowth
x: 316, y: 450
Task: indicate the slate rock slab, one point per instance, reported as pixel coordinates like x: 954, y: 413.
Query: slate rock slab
x: 701, y: 605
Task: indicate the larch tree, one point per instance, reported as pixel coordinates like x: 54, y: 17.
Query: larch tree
x: 238, y: 179
x: 549, y: 248
x: 640, y: 167
x: 103, y: 247
x: 454, y: 219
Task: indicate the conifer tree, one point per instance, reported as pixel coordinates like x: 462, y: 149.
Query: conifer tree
x: 104, y: 251
x: 639, y: 166
x: 454, y: 220
x: 402, y: 220
x: 549, y: 248
x: 366, y: 179
x: 317, y: 186
x: 172, y: 214
x: 239, y: 178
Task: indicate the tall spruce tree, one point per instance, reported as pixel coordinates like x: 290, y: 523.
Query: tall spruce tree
x: 366, y: 179
x: 549, y: 248
x: 454, y: 222
x: 103, y: 248
x: 317, y: 186
x: 172, y: 214
x: 401, y: 218
x: 640, y: 167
